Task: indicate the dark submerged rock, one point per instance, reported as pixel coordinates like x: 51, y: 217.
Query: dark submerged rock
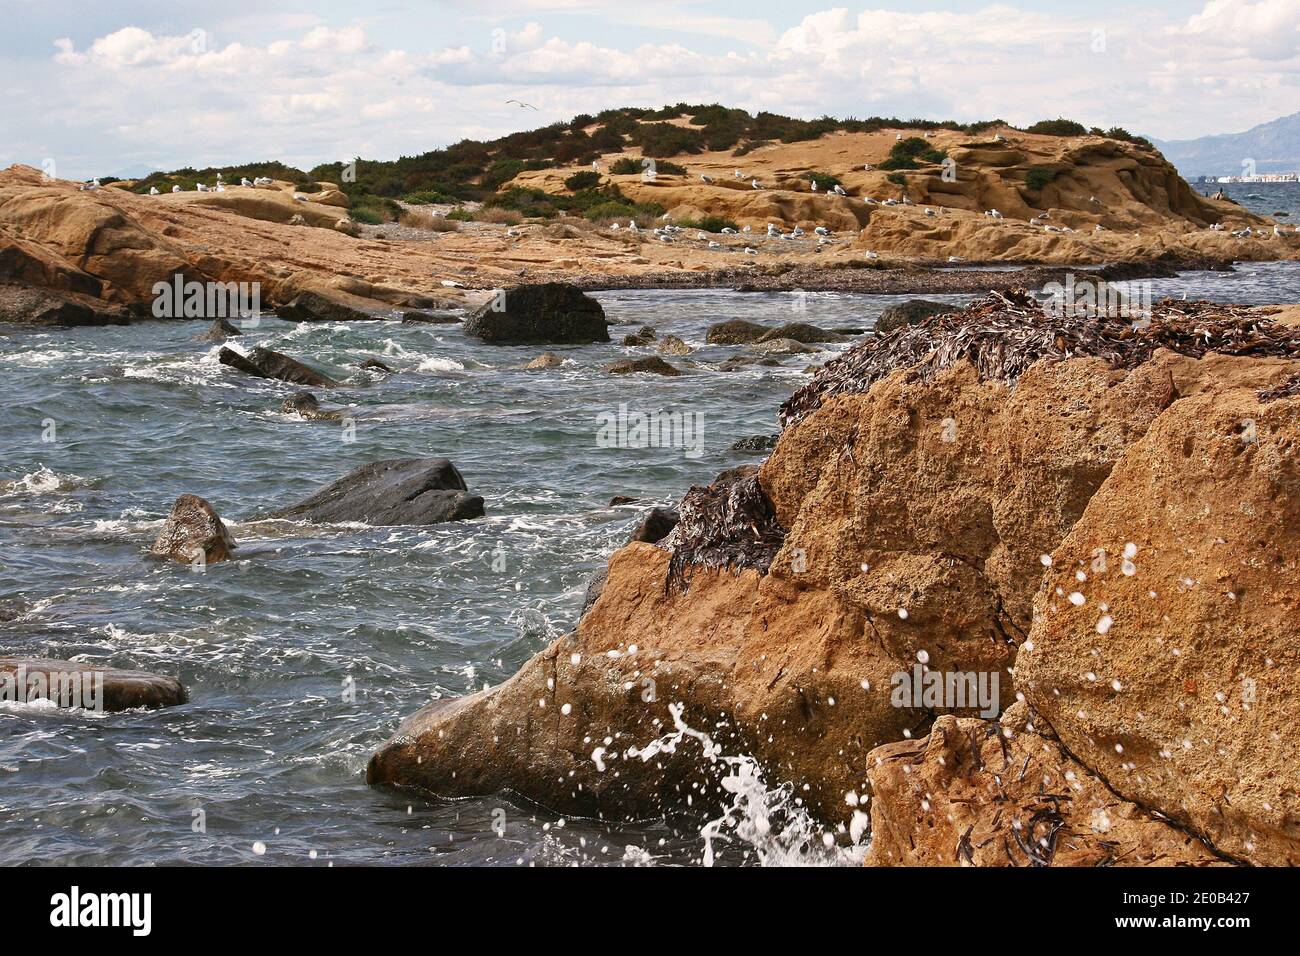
x: 735, y: 332
x: 652, y: 364
x: 219, y: 331
x: 265, y: 363
x: 397, y: 491
x: 103, y: 688
x: 306, y: 405
x: 315, y: 307
x: 553, y: 312
x: 911, y: 312
x: 755, y: 443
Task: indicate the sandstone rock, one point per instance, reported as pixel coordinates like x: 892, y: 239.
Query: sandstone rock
x: 265, y: 363
x: 672, y: 345
x: 219, y: 331
x: 910, y: 312
x: 545, y: 360
x: 1163, y: 646
x: 652, y: 364
x: 193, y: 533
x: 1005, y: 793
x: 29, y: 305
x: 552, y: 312
x: 76, y: 683
x: 735, y: 332
x: 397, y: 491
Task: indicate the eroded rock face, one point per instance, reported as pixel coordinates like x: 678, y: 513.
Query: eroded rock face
x: 79, y: 684
x: 194, y: 532
x: 267, y: 363
x: 1163, y: 648
x: 397, y: 491
x: 552, y: 312
x: 907, y: 528
x: 1005, y: 793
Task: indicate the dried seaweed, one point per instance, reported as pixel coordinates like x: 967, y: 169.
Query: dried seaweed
x: 729, y: 524
x: 1003, y: 335
x: 1288, y: 389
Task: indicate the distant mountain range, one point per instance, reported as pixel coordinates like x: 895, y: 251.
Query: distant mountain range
x: 1274, y: 146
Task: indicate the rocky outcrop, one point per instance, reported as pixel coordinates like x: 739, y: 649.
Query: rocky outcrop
x: 801, y: 332
x: 90, y: 686
x: 909, y: 313
x: 306, y: 405
x: 1005, y: 793
x: 219, y: 331
x: 552, y: 312
x: 397, y: 491
x: 266, y: 363
x: 926, y: 487
x: 735, y: 332
x: 651, y: 364
x: 30, y: 305
x: 194, y: 534
x: 672, y: 345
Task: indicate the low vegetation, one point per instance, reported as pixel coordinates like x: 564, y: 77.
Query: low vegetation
x: 911, y: 152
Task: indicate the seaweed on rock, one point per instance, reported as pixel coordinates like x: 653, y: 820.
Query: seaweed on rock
x: 1003, y: 335
x: 729, y: 524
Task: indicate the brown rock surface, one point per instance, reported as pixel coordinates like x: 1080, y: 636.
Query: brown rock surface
x: 1186, y: 703
x: 194, y: 531
x: 75, y: 683
x: 1005, y: 793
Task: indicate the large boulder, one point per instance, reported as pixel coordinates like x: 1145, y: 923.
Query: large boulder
x: 90, y: 686
x: 651, y: 365
x: 193, y: 534
x: 397, y: 491
x: 266, y: 363
x: 802, y: 332
x: 29, y: 305
x: 553, y: 312
x: 219, y: 331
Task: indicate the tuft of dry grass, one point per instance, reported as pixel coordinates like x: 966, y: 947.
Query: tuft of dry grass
x: 423, y: 219
x: 505, y: 217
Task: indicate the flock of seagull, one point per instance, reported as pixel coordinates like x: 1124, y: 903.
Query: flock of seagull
x: 220, y: 186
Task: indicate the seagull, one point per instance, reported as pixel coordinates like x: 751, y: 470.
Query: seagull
x: 754, y: 183
x: 1277, y: 231
x: 747, y: 229
x: 707, y: 179
x: 868, y: 200
x: 999, y: 138
x: 773, y: 230
x: 299, y: 197
x: 701, y: 237
x: 244, y: 181
x: 738, y: 174
x: 838, y: 190
x: 1094, y: 199
x: 522, y: 105
x: 797, y: 232
x: 153, y: 190
x: 595, y: 165
x: 218, y: 177
x: 714, y: 245
x: 814, y: 185
x: 665, y: 218
x: 929, y: 212
x: 822, y: 231
x: 751, y: 251
x: 994, y: 214
x: 451, y: 284
x: 176, y: 189
x: 514, y: 232
x: 866, y: 167
x: 631, y: 226
x: 204, y: 189
x: 956, y: 259
x: 872, y: 254
x: 221, y: 187
x: 615, y: 227
x: 1098, y: 228
x: 728, y: 231
x: 898, y: 137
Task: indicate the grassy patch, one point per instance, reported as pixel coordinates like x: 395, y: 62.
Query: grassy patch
x: 708, y: 224
x: 906, y: 153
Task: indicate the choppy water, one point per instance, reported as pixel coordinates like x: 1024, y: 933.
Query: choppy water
x: 268, y: 748
x: 1266, y: 199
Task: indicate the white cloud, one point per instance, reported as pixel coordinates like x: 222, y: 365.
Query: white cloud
x: 324, y: 91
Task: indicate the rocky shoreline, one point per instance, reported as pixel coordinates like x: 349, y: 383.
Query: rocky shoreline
x: 1106, y: 532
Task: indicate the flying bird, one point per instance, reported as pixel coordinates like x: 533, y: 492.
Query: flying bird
x: 522, y: 105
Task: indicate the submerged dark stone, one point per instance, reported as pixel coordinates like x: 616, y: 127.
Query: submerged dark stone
x: 552, y: 312
x: 265, y: 363
x: 397, y: 491
x: 78, y: 684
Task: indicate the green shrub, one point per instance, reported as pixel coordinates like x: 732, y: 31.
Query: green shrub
x: 587, y: 179
x: 374, y: 210
x: 610, y: 210
x: 1058, y: 127
x: 460, y: 214
x: 666, y: 139
x: 824, y: 181
x: 1039, y: 176
x: 708, y: 224
x: 628, y: 166
x: 426, y: 197
x: 898, y: 179
x: 906, y: 152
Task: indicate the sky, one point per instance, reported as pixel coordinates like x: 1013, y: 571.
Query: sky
x: 127, y: 86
